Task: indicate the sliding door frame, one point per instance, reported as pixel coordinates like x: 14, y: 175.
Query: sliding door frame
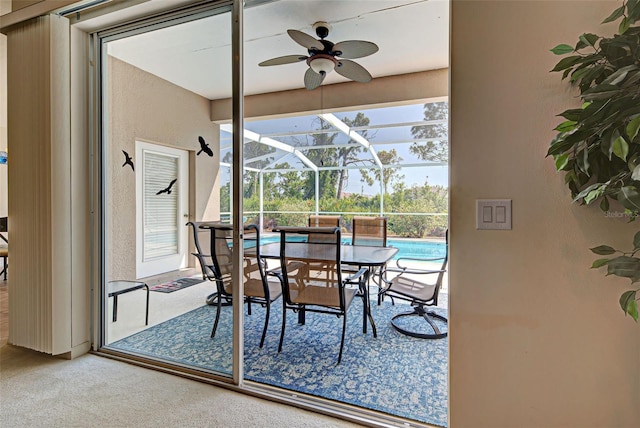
x: 100, y: 136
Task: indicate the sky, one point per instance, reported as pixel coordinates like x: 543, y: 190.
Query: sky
x: 433, y: 175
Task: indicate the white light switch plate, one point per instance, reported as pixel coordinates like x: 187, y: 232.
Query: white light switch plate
x: 493, y: 214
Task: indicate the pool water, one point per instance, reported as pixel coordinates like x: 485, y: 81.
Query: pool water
x: 418, y: 248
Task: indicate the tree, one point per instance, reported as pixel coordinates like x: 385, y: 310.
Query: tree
x: 432, y: 150
x: 321, y: 157
x: 390, y: 175
x: 349, y: 155
x: 252, y: 150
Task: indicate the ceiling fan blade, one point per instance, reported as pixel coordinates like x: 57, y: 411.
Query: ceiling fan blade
x: 355, y: 49
x: 312, y: 79
x: 287, y: 59
x: 353, y: 70
x: 305, y: 40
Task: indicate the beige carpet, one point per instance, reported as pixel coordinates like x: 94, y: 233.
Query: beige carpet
x: 37, y: 390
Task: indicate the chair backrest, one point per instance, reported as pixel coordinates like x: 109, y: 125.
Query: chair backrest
x: 222, y: 252
x: 255, y: 266
x: 311, y: 264
x: 322, y: 221
x: 369, y: 231
x: 200, y: 241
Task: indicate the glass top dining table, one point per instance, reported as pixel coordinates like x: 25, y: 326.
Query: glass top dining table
x: 358, y: 255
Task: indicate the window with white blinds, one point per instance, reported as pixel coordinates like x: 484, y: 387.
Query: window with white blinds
x: 160, y: 210
x: 162, y: 201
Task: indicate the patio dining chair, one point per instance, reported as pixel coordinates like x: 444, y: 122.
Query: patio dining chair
x: 307, y: 285
x: 257, y: 288
x: 323, y: 221
x: 412, y: 282
x: 201, y: 240
x: 370, y: 231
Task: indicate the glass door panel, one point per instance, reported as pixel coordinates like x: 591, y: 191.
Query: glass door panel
x: 162, y: 183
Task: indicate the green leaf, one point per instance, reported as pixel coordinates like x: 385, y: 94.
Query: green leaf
x: 603, y: 250
x: 562, y: 49
x: 580, y: 45
x: 633, y: 127
x: 589, y: 39
x: 582, y: 158
x: 619, y: 75
x: 614, y: 15
x: 600, y: 92
x: 599, y: 263
x: 636, y: 241
x: 632, y: 310
x: 579, y: 73
x: 567, y: 62
x: 566, y: 126
x: 629, y: 304
x: 572, y: 114
x: 629, y: 197
x: 623, y: 266
x: 604, y: 204
x: 635, y: 175
x: 585, y: 192
x: 624, y: 25
x: 620, y: 148
x: 593, y: 195
x: 561, y: 161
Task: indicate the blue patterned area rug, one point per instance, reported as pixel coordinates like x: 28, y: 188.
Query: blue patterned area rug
x: 392, y: 373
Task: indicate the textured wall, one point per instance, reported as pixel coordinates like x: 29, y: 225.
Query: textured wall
x: 537, y: 338
x: 147, y: 108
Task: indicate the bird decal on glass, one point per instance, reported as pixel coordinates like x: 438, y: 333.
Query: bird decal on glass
x: 167, y: 190
x: 204, y: 147
x: 127, y: 160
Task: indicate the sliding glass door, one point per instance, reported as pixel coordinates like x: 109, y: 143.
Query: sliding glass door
x: 161, y: 182
x: 183, y: 174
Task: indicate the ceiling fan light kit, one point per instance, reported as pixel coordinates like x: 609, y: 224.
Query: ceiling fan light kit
x: 323, y: 55
x: 322, y: 64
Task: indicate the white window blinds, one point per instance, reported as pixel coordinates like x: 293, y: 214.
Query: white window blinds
x: 160, y: 211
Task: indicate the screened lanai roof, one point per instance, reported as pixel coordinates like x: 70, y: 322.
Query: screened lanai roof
x: 312, y: 142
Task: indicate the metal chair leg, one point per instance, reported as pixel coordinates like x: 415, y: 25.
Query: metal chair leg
x: 284, y: 322
x: 266, y: 324
x: 215, y: 323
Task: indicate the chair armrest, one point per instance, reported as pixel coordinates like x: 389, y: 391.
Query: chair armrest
x: 415, y: 259
x: 277, y: 272
x: 357, y: 278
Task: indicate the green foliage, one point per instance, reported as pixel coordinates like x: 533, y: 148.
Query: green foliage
x: 597, y: 145
x: 294, y: 211
x: 390, y: 176
x: 436, y: 147
x: 625, y: 265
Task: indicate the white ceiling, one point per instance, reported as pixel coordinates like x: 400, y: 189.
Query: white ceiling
x: 412, y: 36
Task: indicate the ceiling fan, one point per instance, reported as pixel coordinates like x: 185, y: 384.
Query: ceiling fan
x: 325, y: 56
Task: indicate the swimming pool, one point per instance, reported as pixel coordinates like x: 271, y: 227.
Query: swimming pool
x: 407, y: 247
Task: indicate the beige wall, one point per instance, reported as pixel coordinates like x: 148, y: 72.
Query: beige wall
x: 403, y: 89
x: 144, y: 107
x: 537, y: 338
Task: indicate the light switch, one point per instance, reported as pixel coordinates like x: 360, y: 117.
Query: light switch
x: 493, y: 214
x: 487, y: 216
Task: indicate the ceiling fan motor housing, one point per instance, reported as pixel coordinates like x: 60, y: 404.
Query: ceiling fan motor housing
x: 322, y: 29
